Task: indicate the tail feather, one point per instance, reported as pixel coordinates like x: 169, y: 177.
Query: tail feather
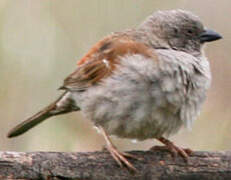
x: 62, y: 105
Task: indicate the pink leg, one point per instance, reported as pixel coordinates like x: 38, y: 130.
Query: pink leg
x: 117, y: 155
x: 174, y: 150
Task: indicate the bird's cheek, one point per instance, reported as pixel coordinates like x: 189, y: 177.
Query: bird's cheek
x: 176, y: 42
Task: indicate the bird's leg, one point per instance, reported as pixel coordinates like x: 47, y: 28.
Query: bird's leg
x: 117, y: 155
x: 174, y: 150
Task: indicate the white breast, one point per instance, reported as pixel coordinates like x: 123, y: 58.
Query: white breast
x: 144, y: 98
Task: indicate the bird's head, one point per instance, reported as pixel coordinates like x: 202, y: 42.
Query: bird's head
x: 179, y: 30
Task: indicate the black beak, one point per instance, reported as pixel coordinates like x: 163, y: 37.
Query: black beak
x: 209, y: 35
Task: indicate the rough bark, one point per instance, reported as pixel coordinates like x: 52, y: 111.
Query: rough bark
x: 100, y: 166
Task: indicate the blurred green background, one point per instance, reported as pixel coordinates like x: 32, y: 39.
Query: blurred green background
x: 40, y: 42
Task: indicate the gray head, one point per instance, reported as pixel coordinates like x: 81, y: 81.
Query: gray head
x: 178, y: 30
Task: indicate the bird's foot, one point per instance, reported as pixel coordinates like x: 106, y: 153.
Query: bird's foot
x: 173, y: 149
x: 121, y: 158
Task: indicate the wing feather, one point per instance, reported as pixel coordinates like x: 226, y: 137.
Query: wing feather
x: 101, y: 60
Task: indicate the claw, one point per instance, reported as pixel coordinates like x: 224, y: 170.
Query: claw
x: 173, y: 149
x: 120, y: 157
x: 128, y: 155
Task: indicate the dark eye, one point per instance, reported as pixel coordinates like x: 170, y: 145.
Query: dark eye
x: 189, y: 31
x: 175, y: 30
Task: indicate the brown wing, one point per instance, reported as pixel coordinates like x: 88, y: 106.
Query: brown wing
x: 101, y: 60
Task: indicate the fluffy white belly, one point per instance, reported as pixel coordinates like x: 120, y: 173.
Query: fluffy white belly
x: 142, y: 101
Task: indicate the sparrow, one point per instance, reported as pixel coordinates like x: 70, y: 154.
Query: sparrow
x: 141, y: 83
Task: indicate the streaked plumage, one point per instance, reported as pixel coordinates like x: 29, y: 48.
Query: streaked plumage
x: 141, y: 83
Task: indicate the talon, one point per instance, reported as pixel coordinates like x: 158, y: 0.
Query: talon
x: 128, y: 155
x: 173, y: 149
x: 119, y: 157
x: 173, y: 152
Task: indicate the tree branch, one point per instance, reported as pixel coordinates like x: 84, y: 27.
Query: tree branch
x: 100, y: 166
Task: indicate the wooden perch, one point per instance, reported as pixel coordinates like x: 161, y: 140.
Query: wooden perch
x: 100, y: 166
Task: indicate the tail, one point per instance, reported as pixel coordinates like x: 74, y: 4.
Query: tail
x: 63, y: 104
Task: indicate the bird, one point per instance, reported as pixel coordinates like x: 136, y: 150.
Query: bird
x: 141, y: 83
